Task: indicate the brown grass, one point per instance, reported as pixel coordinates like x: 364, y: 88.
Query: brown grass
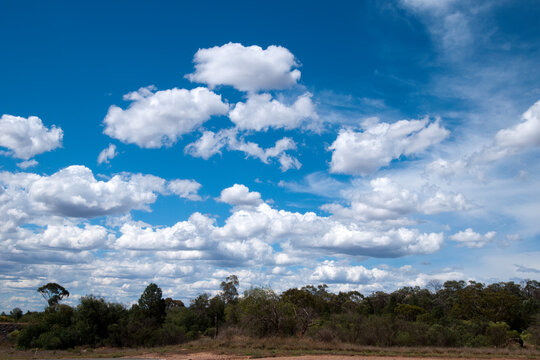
x: 273, y: 347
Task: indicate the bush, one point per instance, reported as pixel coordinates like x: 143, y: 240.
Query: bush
x: 497, y: 333
x: 12, y: 336
x: 326, y: 335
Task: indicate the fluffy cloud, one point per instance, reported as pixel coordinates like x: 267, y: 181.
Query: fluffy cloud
x: 75, y: 192
x: 240, y: 195
x: 185, y: 188
x: 211, y: 143
x: 388, y: 204
x: 258, y: 225
x: 330, y: 271
x: 472, y: 239
x: 379, y: 143
x: 245, y: 68
x: 107, y: 154
x: 67, y: 237
x: 156, y: 119
x: 524, y: 134
x: 261, y: 112
x: 27, y: 137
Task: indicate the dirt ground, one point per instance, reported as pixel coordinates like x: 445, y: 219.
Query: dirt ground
x: 210, y: 356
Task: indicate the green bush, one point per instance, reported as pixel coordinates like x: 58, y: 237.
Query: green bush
x: 497, y: 333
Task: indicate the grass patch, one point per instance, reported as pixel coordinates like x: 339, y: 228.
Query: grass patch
x: 272, y: 347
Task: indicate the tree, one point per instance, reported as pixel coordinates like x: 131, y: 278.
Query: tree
x: 53, y: 293
x: 16, y: 313
x: 229, y: 291
x: 152, y: 304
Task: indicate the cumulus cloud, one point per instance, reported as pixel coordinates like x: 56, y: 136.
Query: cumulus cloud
x: 68, y: 237
x: 75, y: 192
x: 239, y: 194
x: 156, y: 119
x: 522, y: 135
x: 27, y: 137
x: 472, y: 239
x: 107, y: 154
x: 378, y: 144
x: 261, y: 112
x: 185, y: 188
x: 386, y: 203
x: 246, y: 68
x: 211, y: 143
x: 330, y: 271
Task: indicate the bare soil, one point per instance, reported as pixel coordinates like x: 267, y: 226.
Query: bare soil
x: 210, y: 356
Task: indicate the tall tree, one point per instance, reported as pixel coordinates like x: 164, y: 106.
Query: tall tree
x: 53, y: 293
x: 229, y: 289
x: 152, y: 304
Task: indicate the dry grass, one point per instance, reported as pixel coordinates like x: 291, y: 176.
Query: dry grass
x: 273, y: 347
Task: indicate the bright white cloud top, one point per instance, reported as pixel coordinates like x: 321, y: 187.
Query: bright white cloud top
x: 156, y: 119
x: 247, y: 166
x: 261, y: 112
x: 246, y: 68
x: 27, y: 137
x: 379, y: 143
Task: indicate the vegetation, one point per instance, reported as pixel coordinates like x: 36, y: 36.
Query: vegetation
x: 453, y: 314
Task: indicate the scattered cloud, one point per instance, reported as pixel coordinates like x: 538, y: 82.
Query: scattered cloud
x: 107, y: 154
x: 211, y: 143
x: 261, y: 112
x: 240, y: 195
x: 187, y: 189
x: 246, y: 68
x: 156, y: 119
x: 27, y: 164
x: 363, y: 153
x: 27, y: 137
x: 472, y: 239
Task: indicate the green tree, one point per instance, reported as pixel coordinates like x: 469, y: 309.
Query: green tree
x: 152, y: 304
x: 53, y: 293
x: 229, y: 289
x: 16, y: 313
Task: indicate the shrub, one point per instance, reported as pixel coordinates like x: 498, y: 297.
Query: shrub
x: 497, y: 333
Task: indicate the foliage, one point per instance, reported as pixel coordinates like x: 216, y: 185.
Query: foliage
x: 53, y: 293
x: 453, y: 314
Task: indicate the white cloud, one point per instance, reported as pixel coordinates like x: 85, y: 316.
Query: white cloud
x: 156, y: 119
x: 185, y: 188
x: 388, y: 204
x: 329, y: 271
x: 261, y: 112
x: 448, y: 23
x: 27, y: 164
x: 245, y: 68
x: 240, y: 195
x: 27, y: 137
x: 259, y: 227
x: 211, y: 143
x: 524, y: 134
x: 75, y: 192
x: 107, y: 154
x: 472, y: 239
x: 379, y: 143
x: 68, y: 237
x: 507, y: 142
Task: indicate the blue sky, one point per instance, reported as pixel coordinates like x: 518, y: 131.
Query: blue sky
x: 365, y: 145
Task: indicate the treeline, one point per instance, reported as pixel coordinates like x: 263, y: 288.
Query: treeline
x: 454, y: 314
